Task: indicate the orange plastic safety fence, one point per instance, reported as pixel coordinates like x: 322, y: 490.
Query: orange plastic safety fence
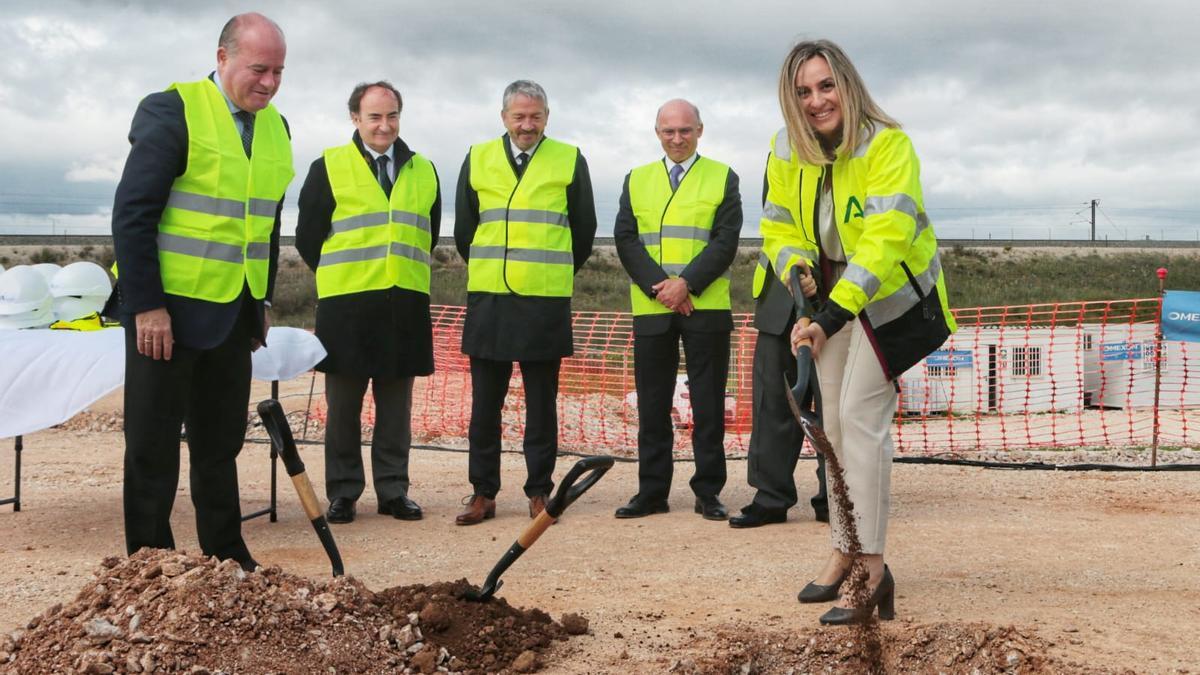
x: 1079, y: 374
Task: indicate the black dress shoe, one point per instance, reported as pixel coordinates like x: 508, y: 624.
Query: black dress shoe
x: 711, y: 508
x: 757, y: 516
x: 821, y: 515
x: 401, y: 508
x: 248, y: 565
x: 638, y: 507
x: 814, y: 592
x: 884, y: 598
x: 341, y: 510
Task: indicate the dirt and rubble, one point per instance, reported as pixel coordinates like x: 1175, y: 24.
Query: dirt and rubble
x: 1080, y: 572
x: 170, y: 612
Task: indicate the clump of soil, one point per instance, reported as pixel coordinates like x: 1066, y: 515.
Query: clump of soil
x: 170, y: 612
x: 928, y: 648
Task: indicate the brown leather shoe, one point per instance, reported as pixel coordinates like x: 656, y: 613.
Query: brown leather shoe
x: 479, y: 509
x: 537, y: 504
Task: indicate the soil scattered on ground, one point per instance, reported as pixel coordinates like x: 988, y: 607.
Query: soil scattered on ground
x: 974, y: 648
x: 171, y: 612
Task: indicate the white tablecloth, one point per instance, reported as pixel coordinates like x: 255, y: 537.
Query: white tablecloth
x: 47, y: 376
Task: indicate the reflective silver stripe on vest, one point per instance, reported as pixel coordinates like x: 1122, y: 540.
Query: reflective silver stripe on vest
x: 353, y: 255
x: 258, y: 250
x: 523, y: 255
x: 410, y: 252
x: 863, y: 278
x: 785, y: 253
x: 524, y: 216
x: 264, y: 208
x: 213, y: 206
x: 650, y: 238
x: 198, y: 248
x: 685, y: 232
x: 407, y: 218
x: 897, y: 202
x: 777, y: 213
x: 865, y: 144
x: 355, y: 222
x: 783, y: 146
x: 896, y: 304
x: 763, y: 260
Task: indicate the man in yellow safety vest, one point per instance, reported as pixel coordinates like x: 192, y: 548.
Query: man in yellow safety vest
x: 677, y: 234
x: 196, y: 233
x: 370, y: 212
x: 524, y: 221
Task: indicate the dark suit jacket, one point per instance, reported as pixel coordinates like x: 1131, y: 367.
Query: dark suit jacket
x: 381, y: 333
x: 522, y: 328
x: 705, y: 268
x: 158, y: 155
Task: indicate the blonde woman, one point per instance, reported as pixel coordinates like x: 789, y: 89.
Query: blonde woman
x: 844, y: 200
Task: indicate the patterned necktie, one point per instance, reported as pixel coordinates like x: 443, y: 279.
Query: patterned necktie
x: 522, y: 162
x: 247, y: 119
x: 676, y: 174
x: 385, y: 176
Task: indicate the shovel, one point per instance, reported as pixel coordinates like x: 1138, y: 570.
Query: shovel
x: 568, y: 491
x: 281, y: 436
x: 804, y: 397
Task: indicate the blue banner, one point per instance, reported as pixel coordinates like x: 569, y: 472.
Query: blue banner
x: 1181, y: 316
x: 1121, y: 351
x: 959, y: 358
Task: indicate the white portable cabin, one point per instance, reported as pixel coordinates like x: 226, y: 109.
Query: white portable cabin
x: 1010, y: 369
x: 1123, y: 358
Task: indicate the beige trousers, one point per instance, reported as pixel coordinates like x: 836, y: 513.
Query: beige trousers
x: 858, y: 405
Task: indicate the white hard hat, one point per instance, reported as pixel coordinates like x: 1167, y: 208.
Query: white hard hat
x: 47, y: 270
x: 81, y: 279
x: 39, y: 317
x: 23, y: 289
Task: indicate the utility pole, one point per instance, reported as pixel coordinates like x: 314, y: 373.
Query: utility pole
x: 1094, y: 203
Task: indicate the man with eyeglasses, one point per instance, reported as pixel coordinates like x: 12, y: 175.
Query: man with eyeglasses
x: 677, y: 234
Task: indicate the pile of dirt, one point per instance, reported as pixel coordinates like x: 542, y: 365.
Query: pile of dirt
x: 918, y: 648
x: 170, y: 612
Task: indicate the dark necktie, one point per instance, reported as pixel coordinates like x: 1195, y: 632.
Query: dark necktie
x: 676, y: 174
x: 385, y: 176
x: 522, y: 162
x: 247, y: 119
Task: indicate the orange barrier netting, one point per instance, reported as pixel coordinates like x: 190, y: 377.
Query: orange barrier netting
x: 1064, y: 375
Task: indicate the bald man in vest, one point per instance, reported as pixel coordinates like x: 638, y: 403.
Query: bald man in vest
x: 196, y: 233
x: 677, y: 234
x: 524, y: 222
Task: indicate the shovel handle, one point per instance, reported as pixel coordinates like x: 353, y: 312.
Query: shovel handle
x: 575, y: 483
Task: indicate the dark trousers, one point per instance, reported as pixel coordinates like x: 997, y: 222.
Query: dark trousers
x: 390, y: 443
x: 775, y: 435
x: 489, y: 386
x: 655, y: 366
x: 209, y: 391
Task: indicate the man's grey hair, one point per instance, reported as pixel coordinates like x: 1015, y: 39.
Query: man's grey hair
x: 232, y: 31
x: 695, y: 111
x: 525, y: 88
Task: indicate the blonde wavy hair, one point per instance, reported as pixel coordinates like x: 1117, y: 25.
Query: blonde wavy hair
x: 859, y: 112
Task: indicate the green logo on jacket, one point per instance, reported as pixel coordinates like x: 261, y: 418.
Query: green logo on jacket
x: 853, y: 208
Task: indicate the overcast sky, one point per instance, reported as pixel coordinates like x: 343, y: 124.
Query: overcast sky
x: 1021, y: 112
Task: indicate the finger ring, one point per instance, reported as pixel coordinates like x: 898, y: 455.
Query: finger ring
x: 148, y: 340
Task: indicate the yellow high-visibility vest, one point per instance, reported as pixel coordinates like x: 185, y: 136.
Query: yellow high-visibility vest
x: 215, y: 232
x: 376, y: 243
x: 675, y: 226
x: 523, y: 243
x: 891, y: 250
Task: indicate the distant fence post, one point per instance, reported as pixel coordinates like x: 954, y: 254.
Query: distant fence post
x: 1158, y: 359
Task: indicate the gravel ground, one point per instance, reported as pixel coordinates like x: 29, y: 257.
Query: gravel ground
x: 1081, y: 571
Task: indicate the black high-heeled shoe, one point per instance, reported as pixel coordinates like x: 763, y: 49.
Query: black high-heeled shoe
x: 884, y: 598
x: 815, y: 592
